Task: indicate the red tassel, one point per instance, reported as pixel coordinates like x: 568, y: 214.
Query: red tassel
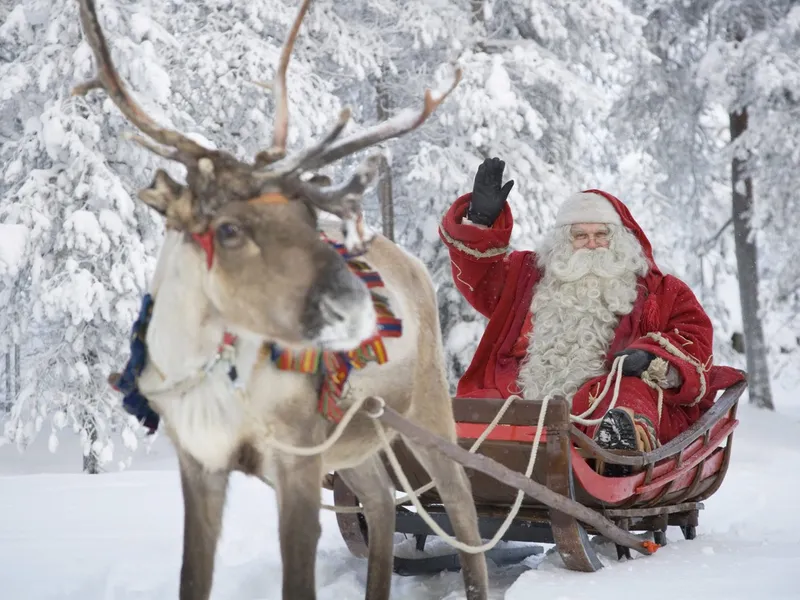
x: 652, y: 315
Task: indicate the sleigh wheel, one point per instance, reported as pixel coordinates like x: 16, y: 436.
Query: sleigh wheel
x: 353, y: 526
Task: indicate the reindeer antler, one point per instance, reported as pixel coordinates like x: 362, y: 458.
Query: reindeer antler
x: 402, y: 123
x: 344, y: 200
x: 281, y: 128
x: 328, y: 150
x: 272, y: 168
x: 108, y: 80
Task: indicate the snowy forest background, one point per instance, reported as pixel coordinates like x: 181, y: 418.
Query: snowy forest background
x: 687, y: 111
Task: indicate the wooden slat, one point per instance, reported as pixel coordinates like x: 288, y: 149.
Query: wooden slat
x: 564, y: 504
x: 710, y: 418
x: 521, y: 412
x: 692, y: 461
x: 351, y: 525
x: 572, y: 542
x: 649, y: 512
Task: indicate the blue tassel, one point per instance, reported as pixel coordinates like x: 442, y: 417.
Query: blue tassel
x: 133, y: 401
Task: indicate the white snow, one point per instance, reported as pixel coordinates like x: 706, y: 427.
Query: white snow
x: 13, y: 239
x: 499, y: 85
x: 53, y: 135
x: 118, y: 536
x: 86, y: 227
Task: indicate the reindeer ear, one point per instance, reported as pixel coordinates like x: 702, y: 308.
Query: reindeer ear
x: 162, y: 192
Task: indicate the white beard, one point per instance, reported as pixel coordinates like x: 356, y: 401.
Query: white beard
x: 576, y: 308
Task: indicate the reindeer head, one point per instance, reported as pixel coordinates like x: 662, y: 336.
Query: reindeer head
x: 254, y: 226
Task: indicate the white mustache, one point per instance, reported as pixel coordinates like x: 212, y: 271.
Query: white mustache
x: 601, y: 262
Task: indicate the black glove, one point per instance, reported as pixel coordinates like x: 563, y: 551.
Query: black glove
x: 488, y: 198
x: 636, y: 362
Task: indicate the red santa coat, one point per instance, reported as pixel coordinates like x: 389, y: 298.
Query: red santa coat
x: 500, y: 285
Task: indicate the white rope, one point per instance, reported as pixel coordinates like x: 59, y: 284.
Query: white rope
x: 675, y: 351
x: 423, y: 513
x: 616, y: 371
x: 319, y: 448
x: 654, y: 376
x: 412, y: 495
x: 225, y: 356
x: 337, y: 433
x: 475, y: 445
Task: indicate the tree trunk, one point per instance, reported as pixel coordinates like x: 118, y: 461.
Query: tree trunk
x: 91, y: 461
x: 476, y: 8
x: 747, y: 264
x: 91, y: 464
x: 385, y: 197
x: 384, y: 170
x: 7, y: 400
x: 15, y: 391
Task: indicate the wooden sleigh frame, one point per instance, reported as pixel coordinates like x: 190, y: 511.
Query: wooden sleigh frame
x: 667, y: 487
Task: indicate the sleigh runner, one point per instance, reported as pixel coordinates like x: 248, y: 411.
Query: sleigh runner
x: 667, y: 488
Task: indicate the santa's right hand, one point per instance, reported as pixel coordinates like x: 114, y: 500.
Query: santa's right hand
x: 636, y: 361
x: 488, y: 197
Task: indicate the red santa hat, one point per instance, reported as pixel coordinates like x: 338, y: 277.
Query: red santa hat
x: 587, y: 207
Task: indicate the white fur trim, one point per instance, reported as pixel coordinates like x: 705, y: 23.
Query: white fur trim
x: 466, y: 221
x: 471, y: 251
x: 587, y: 207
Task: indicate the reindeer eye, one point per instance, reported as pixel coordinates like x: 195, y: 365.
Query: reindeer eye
x: 229, y: 234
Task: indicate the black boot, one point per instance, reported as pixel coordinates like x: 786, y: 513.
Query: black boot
x: 617, y: 432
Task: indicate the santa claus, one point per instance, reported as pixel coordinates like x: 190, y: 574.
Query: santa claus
x: 588, y: 316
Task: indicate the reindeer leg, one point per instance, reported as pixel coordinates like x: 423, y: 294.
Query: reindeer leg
x: 454, y: 489
x: 297, y: 483
x: 370, y: 482
x: 203, y: 500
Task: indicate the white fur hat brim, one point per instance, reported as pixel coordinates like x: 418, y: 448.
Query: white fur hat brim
x: 587, y: 207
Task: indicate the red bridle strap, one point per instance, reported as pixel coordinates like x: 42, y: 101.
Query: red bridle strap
x: 270, y: 198
x: 206, y: 239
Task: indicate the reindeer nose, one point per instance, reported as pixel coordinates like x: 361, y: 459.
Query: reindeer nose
x: 338, y: 313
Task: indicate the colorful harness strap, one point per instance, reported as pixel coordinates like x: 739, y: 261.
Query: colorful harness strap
x: 336, y: 366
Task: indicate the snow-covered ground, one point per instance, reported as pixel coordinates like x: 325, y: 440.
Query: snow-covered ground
x: 118, y: 536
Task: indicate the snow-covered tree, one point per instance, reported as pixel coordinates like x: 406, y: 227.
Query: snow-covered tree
x: 69, y: 181
x: 540, y: 89
x: 538, y: 81
x: 66, y: 182
x: 719, y: 63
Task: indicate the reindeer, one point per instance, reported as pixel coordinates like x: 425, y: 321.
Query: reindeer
x: 243, y: 257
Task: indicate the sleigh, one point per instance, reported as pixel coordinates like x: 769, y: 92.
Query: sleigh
x: 666, y: 488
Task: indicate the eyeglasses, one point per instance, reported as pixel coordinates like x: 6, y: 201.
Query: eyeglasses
x: 581, y: 238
